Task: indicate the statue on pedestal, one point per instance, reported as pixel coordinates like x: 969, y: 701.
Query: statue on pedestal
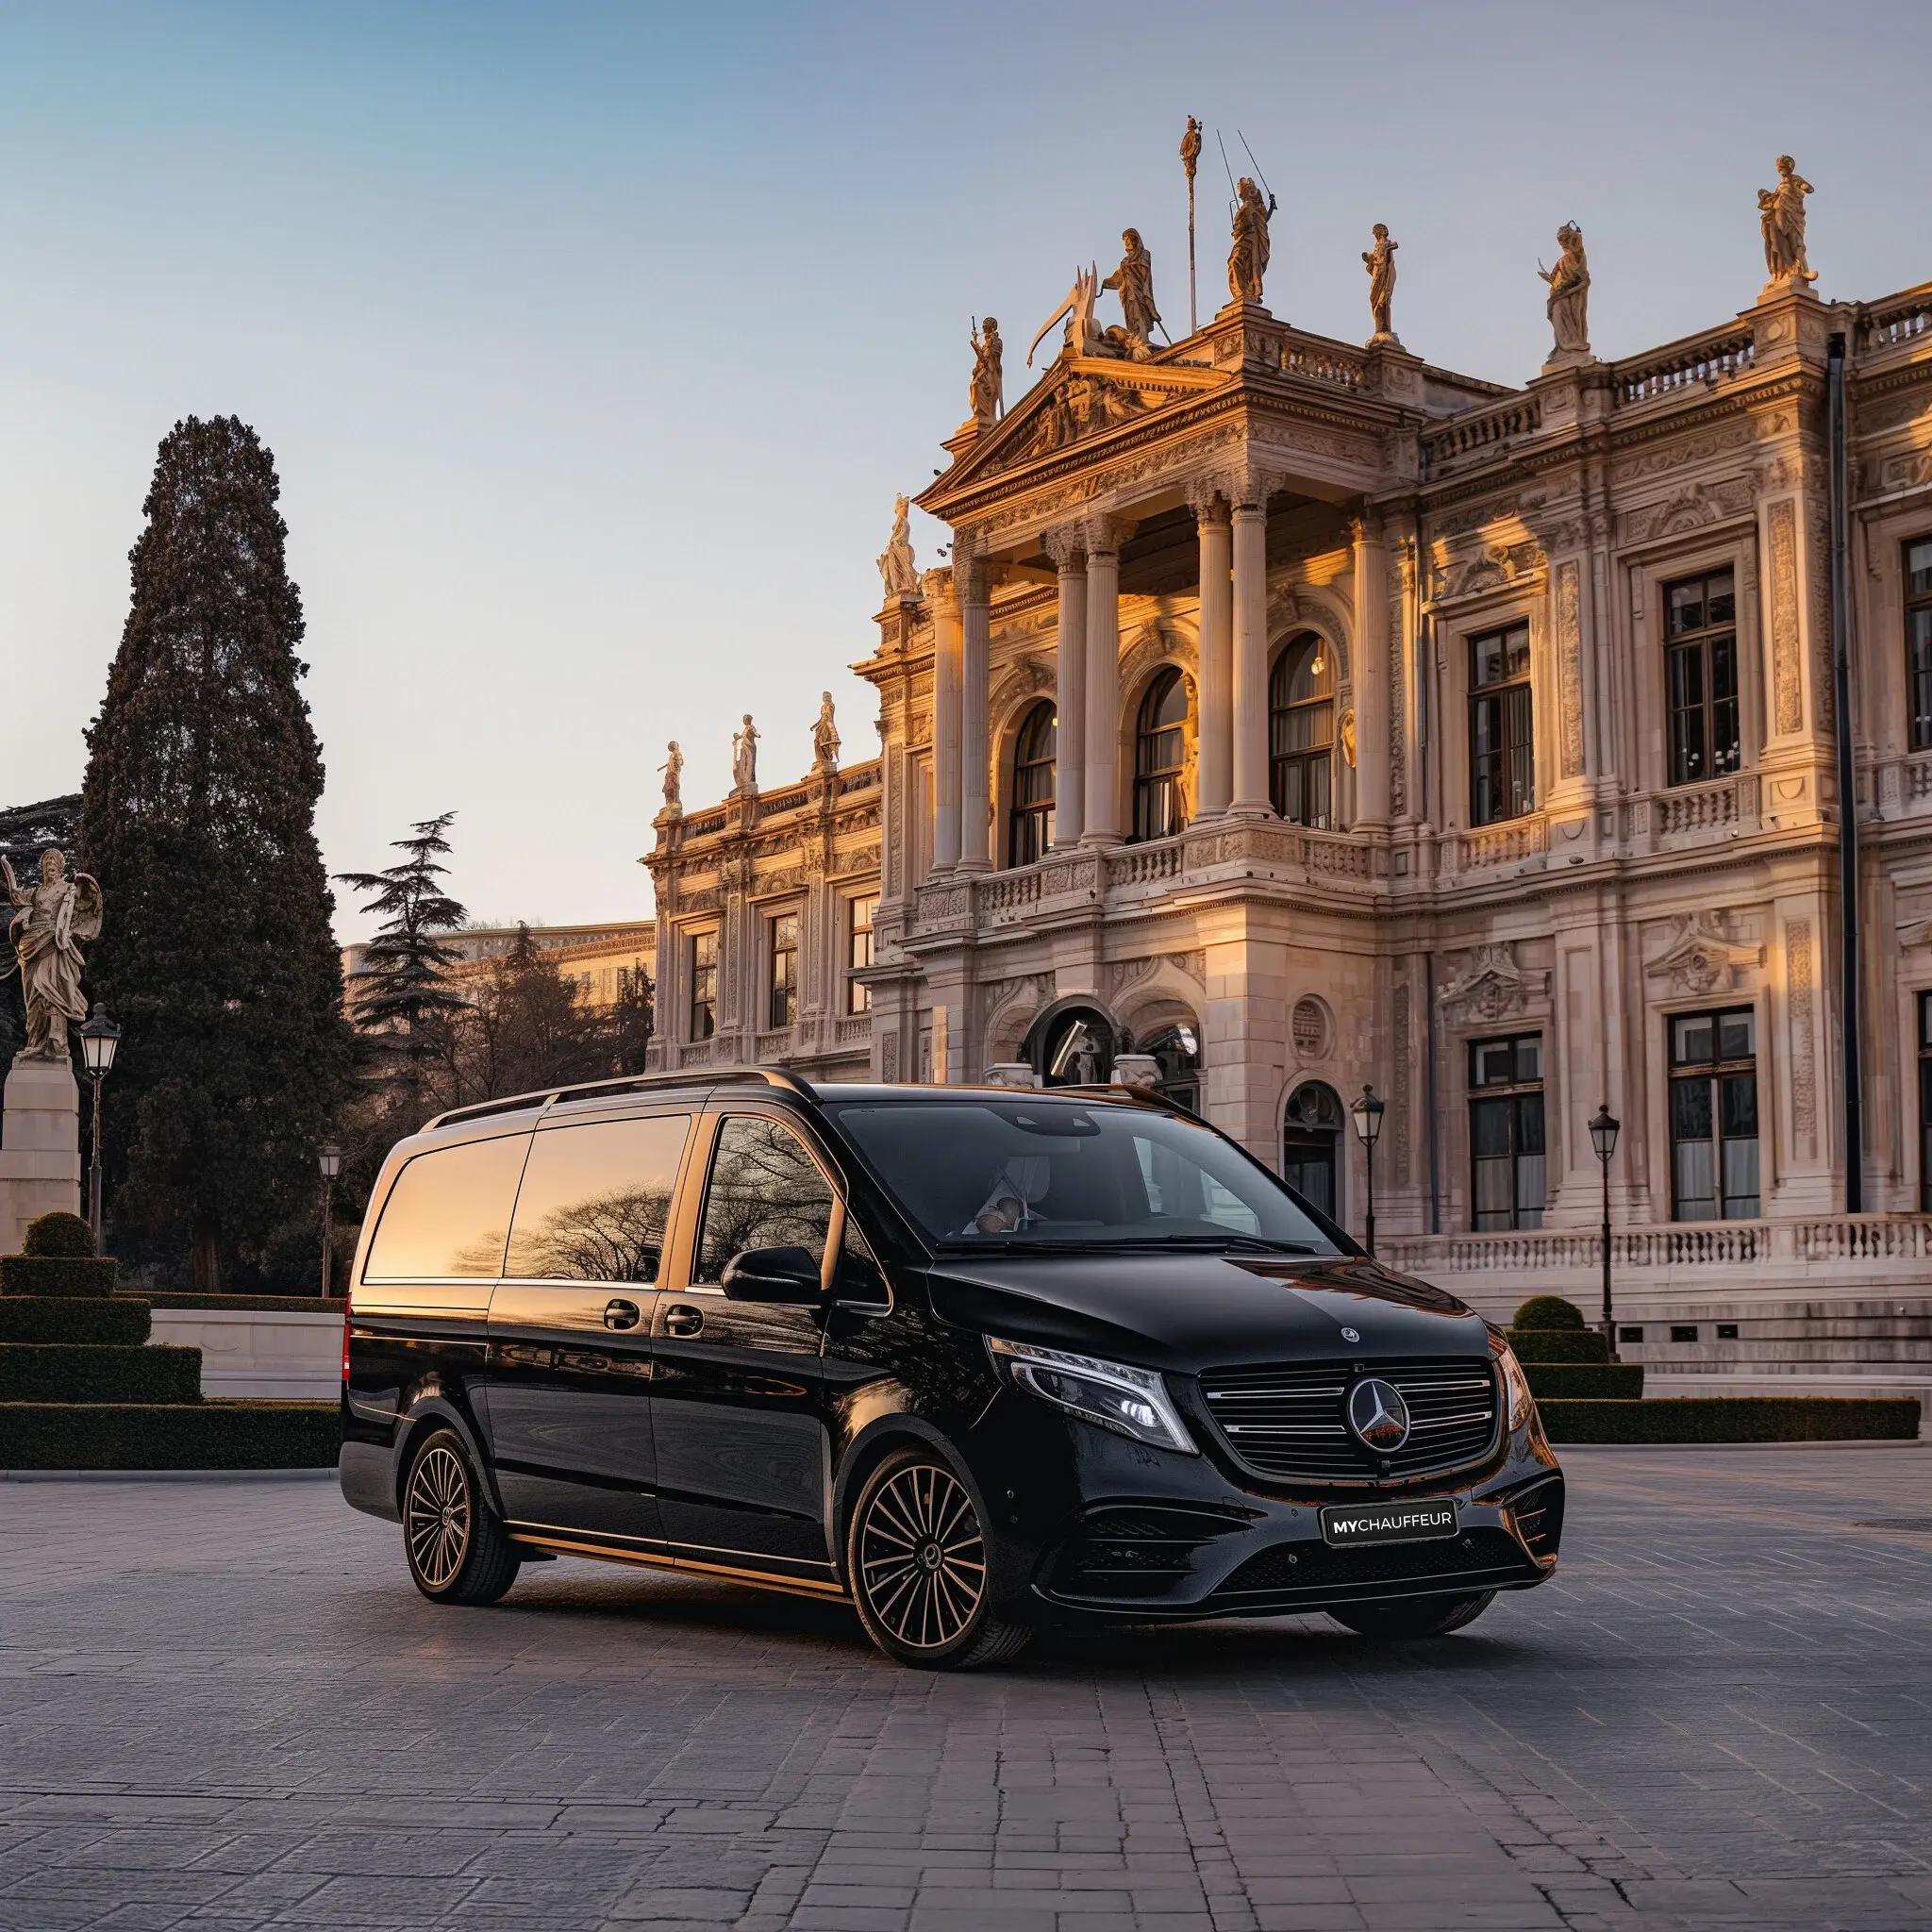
x: 897, y: 569
x: 824, y: 734
x: 744, y: 759
x: 672, y: 769
x: 48, y: 924
x: 989, y: 391
x: 1380, y: 263
x: 1781, y: 217
x: 1247, y: 261
x: 1134, y: 280
x: 1568, y: 305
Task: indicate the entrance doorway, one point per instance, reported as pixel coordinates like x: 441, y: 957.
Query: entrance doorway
x: 1311, y: 1146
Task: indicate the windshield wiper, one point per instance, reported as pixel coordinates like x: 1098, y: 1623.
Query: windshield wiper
x: 1102, y: 1245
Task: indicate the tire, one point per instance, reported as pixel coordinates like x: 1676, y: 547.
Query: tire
x: 454, y: 1543
x: 1428, y: 1616
x: 916, y: 1559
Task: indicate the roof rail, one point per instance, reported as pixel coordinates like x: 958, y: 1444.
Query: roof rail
x: 631, y: 1083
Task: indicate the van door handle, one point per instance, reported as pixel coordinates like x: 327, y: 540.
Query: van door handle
x: 621, y: 1314
x: 680, y: 1318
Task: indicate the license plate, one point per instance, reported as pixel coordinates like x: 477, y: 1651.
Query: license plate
x: 1387, y: 1523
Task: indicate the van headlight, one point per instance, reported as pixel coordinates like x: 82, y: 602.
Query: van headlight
x: 1130, y: 1402
x: 1515, y: 1384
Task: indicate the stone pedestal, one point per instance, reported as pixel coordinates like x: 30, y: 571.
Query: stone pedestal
x: 39, y: 1147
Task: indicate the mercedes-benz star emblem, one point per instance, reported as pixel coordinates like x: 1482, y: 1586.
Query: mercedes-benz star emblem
x: 1378, y: 1415
x: 1349, y: 1334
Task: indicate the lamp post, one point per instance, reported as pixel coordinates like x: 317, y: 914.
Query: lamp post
x: 1367, y: 1116
x: 99, y: 1038
x: 1603, y: 1136
x: 330, y: 1162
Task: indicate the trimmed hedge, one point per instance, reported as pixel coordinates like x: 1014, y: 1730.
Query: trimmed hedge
x: 50, y: 1318
x: 1558, y: 1345
x: 1586, y: 1381
x: 57, y: 1274
x: 294, y: 1304
x: 89, y: 1371
x: 1734, y: 1419
x: 1549, y: 1311
x: 199, y: 1435
x: 59, y: 1233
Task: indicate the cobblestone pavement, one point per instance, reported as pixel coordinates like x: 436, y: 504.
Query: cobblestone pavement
x: 226, y: 1707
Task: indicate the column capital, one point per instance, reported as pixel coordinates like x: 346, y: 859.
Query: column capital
x: 970, y: 575
x: 1250, y: 485
x: 1105, y: 534
x: 1367, y: 527
x: 936, y: 585
x: 1067, y: 546
x: 1207, y: 498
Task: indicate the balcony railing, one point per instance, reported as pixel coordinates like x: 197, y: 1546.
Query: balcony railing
x: 1484, y: 433
x: 1704, y: 362
x: 1508, y: 844
x: 1899, y: 319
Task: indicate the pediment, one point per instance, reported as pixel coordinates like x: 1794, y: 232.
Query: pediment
x: 1699, y: 955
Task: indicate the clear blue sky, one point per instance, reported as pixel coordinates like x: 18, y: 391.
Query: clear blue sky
x: 593, y: 341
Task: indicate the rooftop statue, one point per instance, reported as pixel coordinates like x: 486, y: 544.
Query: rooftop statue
x: 1083, y: 335
x: 672, y: 769
x: 49, y: 922
x: 989, y: 384
x: 1781, y: 216
x: 1247, y: 261
x: 824, y: 735
x: 897, y: 569
x: 1380, y: 263
x: 1134, y: 280
x: 744, y: 759
x: 1568, y: 305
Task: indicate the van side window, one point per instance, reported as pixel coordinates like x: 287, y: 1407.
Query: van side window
x: 595, y: 1201
x: 449, y: 1212
x: 765, y: 1191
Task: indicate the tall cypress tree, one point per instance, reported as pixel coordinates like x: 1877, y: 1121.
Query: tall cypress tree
x: 198, y: 818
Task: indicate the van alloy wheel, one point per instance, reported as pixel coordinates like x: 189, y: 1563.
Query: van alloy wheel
x: 458, y: 1549
x: 917, y: 1557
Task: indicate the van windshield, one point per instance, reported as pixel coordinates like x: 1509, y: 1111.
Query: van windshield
x: 1057, y: 1173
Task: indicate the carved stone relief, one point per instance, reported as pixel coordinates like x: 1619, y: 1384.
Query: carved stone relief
x: 1570, y: 664
x: 1688, y: 509
x: 1798, y: 979
x: 1489, y: 985
x: 1401, y: 568
x: 1398, y: 1086
x: 1786, y: 690
x: 1699, y: 955
x: 1496, y: 566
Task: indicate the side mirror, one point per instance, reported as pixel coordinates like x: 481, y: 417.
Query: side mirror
x: 788, y: 1276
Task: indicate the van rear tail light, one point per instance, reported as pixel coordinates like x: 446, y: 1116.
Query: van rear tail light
x: 345, y: 1340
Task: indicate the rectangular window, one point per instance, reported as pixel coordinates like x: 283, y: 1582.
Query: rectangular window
x: 1502, y: 756
x: 860, y: 915
x: 1918, y: 568
x: 1926, y: 1102
x: 702, y: 960
x: 1505, y: 1132
x: 1714, y: 1115
x: 1701, y: 677
x: 782, y: 952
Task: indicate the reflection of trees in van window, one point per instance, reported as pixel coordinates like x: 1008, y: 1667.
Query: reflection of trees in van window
x: 448, y: 1212
x: 766, y: 1191
x: 595, y: 1200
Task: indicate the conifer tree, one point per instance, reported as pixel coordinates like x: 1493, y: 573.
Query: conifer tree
x: 400, y: 997
x: 197, y: 817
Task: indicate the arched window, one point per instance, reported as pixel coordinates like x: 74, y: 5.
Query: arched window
x: 1030, y: 831
x: 1311, y: 1146
x: 1074, y: 1048
x: 1301, y: 731
x: 1160, y: 756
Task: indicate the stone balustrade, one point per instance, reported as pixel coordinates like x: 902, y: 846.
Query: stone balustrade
x: 1707, y: 360
x: 1899, y: 320
x: 1513, y: 842
x: 1484, y: 435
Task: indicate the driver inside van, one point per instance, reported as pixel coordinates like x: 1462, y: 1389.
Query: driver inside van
x: 1008, y: 1206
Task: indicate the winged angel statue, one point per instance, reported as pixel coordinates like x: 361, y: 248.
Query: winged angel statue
x: 49, y: 922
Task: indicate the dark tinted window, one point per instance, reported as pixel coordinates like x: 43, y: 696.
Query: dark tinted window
x: 449, y: 1212
x: 765, y: 1191
x: 595, y: 1200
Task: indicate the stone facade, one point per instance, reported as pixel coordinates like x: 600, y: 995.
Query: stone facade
x: 1638, y: 851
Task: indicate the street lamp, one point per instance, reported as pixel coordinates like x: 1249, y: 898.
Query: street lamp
x: 1367, y: 1115
x: 1603, y: 1136
x: 330, y: 1161
x: 99, y: 1038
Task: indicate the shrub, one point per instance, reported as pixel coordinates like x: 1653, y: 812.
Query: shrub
x: 1593, y: 1381
x: 57, y: 1274
x: 70, y: 1318
x: 1734, y: 1419
x: 93, y: 1372
x: 1549, y: 1311
x: 199, y: 1435
x: 1557, y: 1344
x: 66, y: 1235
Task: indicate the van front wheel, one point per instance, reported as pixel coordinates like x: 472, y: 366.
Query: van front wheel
x: 456, y: 1544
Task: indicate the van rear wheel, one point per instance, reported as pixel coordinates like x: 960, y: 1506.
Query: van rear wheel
x: 916, y: 1557
x: 1428, y: 1616
x: 458, y: 1550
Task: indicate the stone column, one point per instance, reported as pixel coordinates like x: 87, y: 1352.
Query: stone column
x: 946, y: 719
x: 1104, y: 681
x: 39, y: 1147
x: 1070, y: 698
x: 1250, y: 548
x: 976, y: 624
x: 1215, y: 683
x: 1371, y: 672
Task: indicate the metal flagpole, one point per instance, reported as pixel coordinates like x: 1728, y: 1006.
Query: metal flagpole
x: 1190, y: 155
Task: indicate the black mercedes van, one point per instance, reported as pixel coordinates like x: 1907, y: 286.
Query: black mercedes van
x: 977, y: 1360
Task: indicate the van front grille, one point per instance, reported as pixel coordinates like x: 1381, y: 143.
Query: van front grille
x: 1285, y: 1422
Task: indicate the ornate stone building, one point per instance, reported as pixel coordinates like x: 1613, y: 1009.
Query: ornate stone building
x: 1304, y: 715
